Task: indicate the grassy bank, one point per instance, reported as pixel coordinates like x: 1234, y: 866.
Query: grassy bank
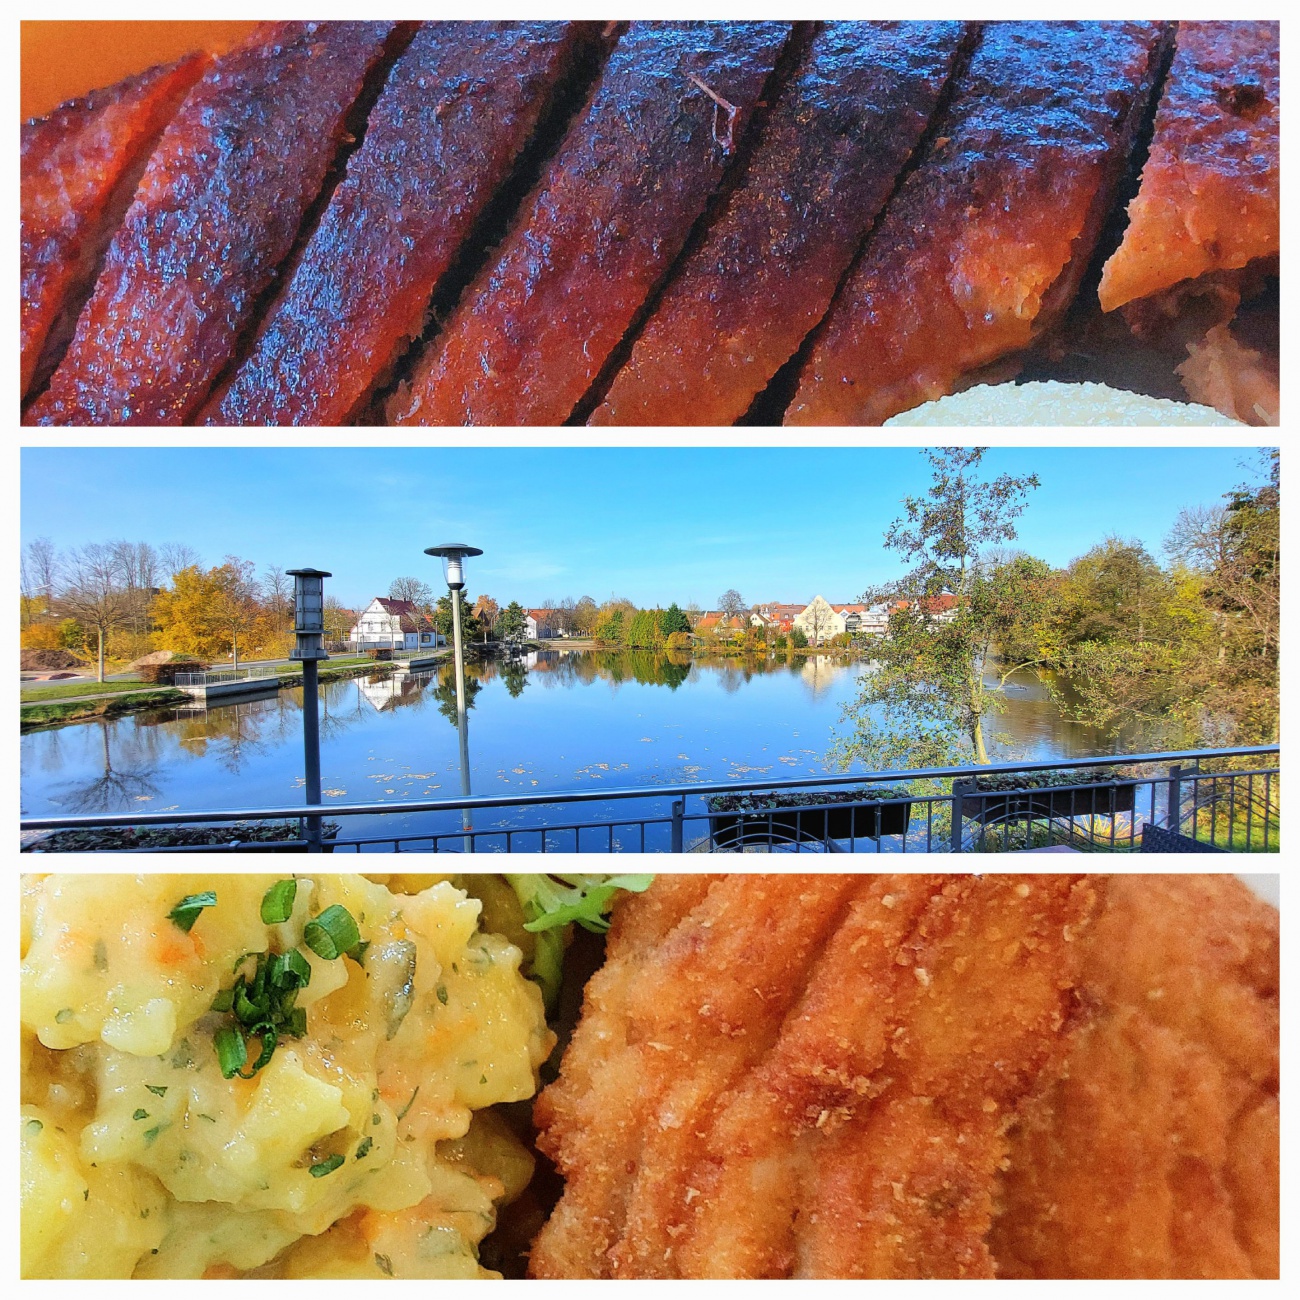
x: 68, y: 690
x: 44, y: 707
x: 55, y: 713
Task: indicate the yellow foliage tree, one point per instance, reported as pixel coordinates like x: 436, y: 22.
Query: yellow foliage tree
x: 210, y: 613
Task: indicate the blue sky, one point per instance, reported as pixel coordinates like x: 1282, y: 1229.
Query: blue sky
x: 652, y: 524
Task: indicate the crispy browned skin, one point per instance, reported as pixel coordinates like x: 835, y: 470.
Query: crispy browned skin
x: 1157, y: 1155
x: 78, y: 166
x: 985, y: 243
x: 1211, y: 189
x: 458, y: 106
x: 739, y: 307
x: 806, y: 1076
x: 603, y: 226
x: 217, y: 210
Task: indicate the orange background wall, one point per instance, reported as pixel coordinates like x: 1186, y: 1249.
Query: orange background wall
x: 61, y: 60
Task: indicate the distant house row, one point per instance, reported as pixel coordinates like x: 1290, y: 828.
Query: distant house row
x: 400, y: 624
x: 820, y: 620
x: 388, y: 624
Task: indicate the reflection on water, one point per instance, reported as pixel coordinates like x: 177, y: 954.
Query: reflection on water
x: 555, y: 720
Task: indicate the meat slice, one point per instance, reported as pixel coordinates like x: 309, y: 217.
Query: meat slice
x: 600, y: 230
x: 458, y: 107
x: 743, y: 301
x: 986, y: 241
x: 808, y: 1076
x: 79, y: 168
x: 217, y: 210
x: 1209, y: 200
x: 1156, y: 1155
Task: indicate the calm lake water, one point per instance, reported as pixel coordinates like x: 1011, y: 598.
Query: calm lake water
x: 559, y: 720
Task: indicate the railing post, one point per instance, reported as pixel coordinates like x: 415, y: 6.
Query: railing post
x: 1175, y: 816
x: 959, y: 789
x: 679, y: 808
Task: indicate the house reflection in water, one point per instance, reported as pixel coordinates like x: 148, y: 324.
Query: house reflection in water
x: 393, y: 690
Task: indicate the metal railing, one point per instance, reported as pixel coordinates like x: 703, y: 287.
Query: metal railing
x: 217, y: 676
x: 1212, y: 799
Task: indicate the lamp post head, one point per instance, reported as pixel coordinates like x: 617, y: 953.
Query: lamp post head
x: 308, y: 613
x: 453, y: 555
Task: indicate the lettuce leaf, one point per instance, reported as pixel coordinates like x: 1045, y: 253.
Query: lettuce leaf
x: 551, y: 903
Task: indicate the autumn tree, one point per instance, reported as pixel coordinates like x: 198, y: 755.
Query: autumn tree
x: 731, y: 603
x: 212, y: 612
x: 926, y: 700
x: 95, y: 595
x: 585, y: 613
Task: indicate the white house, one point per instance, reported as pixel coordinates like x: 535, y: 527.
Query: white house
x: 539, y: 624
x: 387, y: 624
x: 819, y: 620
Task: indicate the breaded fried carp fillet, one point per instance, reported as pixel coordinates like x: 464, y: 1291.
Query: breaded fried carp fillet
x: 79, y: 166
x: 459, y: 105
x: 218, y: 209
x: 1209, y: 199
x: 601, y: 229
x: 1156, y: 1156
x: 806, y: 1076
x: 986, y: 242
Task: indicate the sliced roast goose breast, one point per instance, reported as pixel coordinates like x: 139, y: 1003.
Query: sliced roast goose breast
x: 739, y: 307
x: 459, y: 105
x: 79, y: 168
x: 605, y: 222
x: 1210, y: 198
x: 218, y: 209
x: 987, y: 240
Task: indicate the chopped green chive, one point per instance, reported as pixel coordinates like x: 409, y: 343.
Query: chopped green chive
x: 101, y: 954
x: 151, y: 1133
x: 327, y: 1166
x: 332, y: 933
x: 62, y: 1017
x: 157, y: 1090
x: 224, y: 1000
x: 210, y: 1118
x: 141, y: 1114
x: 290, y: 970
x: 442, y: 994
x: 34, y: 1126
x: 277, y: 902
x: 401, y: 1114
x: 232, y: 1052
x: 363, y: 1147
x: 384, y: 1264
x: 186, y: 912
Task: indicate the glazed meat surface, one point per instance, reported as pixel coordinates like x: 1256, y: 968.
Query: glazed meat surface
x: 985, y: 243
x: 739, y: 307
x: 78, y: 167
x: 1156, y: 1156
x: 806, y: 1075
x: 459, y: 105
x: 603, y: 226
x: 1210, y: 193
x: 217, y: 210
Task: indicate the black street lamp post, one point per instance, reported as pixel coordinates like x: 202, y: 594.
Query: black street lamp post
x: 309, y: 629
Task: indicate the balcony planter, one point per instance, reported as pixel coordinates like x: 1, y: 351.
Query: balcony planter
x: 267, y: 836
x: 792, y: 817
x: 1039, y: 795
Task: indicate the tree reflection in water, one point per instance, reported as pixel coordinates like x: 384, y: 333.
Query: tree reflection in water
x: 131, y: 780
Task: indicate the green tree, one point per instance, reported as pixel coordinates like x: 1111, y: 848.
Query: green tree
x: 926, y: 699
x: 513, y: 623
x: 673, y: 620
x: 610, y: 627
x: 442, y: 618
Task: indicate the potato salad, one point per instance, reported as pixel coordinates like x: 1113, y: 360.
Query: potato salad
x: 267, y: 1076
